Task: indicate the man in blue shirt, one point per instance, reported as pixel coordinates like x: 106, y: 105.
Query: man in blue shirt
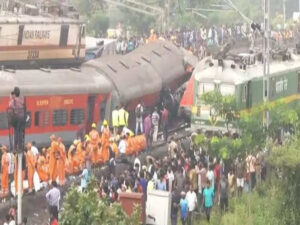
x: 208, y: 194
x: 144, y: 184
x: 161, y: 184
x: 184, y: 209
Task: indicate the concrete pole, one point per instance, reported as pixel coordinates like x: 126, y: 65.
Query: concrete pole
x: 266, y: 57
x: 284, y: 13
x: 20, y: 187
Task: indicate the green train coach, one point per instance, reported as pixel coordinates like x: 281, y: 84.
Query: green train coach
x: 243, y: 79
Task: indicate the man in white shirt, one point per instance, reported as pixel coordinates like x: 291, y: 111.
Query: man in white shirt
x: 34, y: 149
x: 53, y: 197
x: 137, y: 163
x: 191, y: 198
x: 122, y: 146
x: 139, y: 111
x: 155, y: 123
x: 210, y: 175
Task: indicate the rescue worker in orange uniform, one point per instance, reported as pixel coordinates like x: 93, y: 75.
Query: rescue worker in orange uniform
x: 80, y: 155
x: 31, y: 163
x: 53, y: 159
x: 130, y: 146
x: 61, y: 162
x: 73, y: 161
x: 153, y: 36
x: 5, y: 174
x: 105, y: 141
x: 114, y: 146
x: 42, y: 167
x: 95, y: 139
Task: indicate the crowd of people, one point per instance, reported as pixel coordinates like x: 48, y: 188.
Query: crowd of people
x: 196, y: 180
x: 199, y: 40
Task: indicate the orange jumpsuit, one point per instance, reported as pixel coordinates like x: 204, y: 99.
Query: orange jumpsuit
x: 105, y: 143
x: 53, y: 155
x: 130, y: 146
x: 115, y: 149
x: 141, y: 142
x: 42, y: 168
x: 5, y: 175
x: 88, y: 156
x: 80, y: 155
x: 62, y: 164
x: 153, y: 37
x: 74, y: 163
x: 31, y: 161
x: 95, y: 138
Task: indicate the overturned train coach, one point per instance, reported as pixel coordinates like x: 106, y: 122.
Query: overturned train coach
x: 67, y: 101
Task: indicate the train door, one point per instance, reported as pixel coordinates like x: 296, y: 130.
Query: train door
x: 79, y: 41
x: 299, y: 82
x: 64, y: 35
x: 90, y: 111
x: 249, y: 95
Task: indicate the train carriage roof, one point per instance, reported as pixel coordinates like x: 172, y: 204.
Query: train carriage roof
x: 206, y: 73
x: 27, y: 19
x: 131, y: 79
x: 161, y: 55
x: 55, y: 82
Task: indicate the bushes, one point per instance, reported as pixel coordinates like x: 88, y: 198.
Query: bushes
x: 275, y: 202
x: 88, y: 209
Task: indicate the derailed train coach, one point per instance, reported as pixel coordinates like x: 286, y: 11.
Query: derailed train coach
x: 67, y: 101
x: 142, y: 74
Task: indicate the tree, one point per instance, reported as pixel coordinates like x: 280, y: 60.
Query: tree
x: 88, y: 209
x: 98, y: 24
x: 221, y: 106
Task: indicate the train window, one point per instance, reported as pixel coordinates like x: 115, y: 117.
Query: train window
x: 60, y: 117
x: 64, y: 34
x: 41, y: 118
x: 279, y: 86
x: 28, y: 119
x: 299, y: 82
x: 83, y: 31
x: 3, y: 121
x: 285, y: 83
x: 205, y: 87
x: 272, y: 87
x: 102, y: 111
x: 20, y: 34
x: 245, y: 93
x: 77, y: 116
x: 227, y: 89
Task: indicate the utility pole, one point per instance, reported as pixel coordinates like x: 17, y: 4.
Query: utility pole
x: 266, y: 58
x: 168, y: 17
x: 284, y: 13
x: 20, y: 187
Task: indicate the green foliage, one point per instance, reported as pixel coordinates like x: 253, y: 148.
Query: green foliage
x: 200, y: 140
x: 276, y: 201
x: 140, y: 24
x: 253, y: 132
x: 221, y: 106
x: 88, y: 209
x: 98, y: 24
